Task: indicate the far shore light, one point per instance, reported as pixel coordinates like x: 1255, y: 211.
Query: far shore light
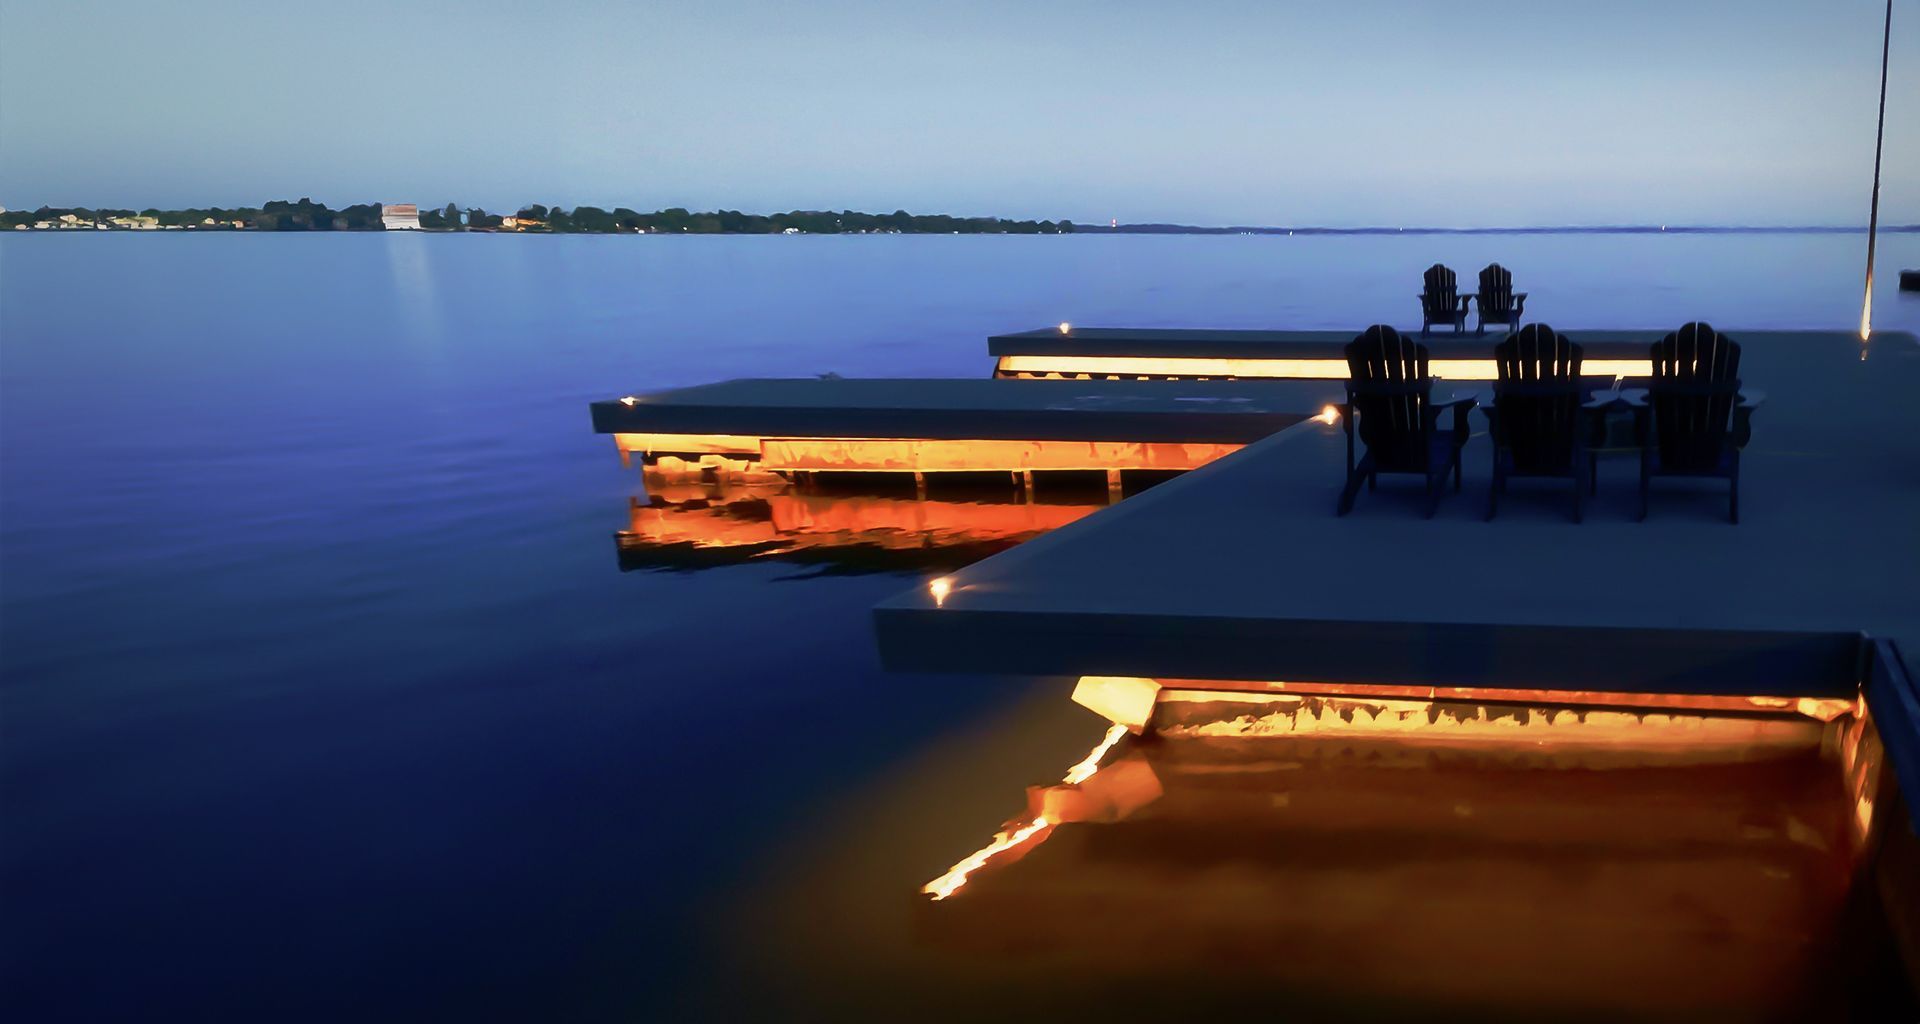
x: 940, y: 588
x: 1329, y: 415
x: 1065, y: 327
x: 628, y: 401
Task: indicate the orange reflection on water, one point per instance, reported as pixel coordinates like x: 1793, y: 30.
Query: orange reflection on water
x: 1014, y: 836
x: 768, y: 518
x: 1438, y: 854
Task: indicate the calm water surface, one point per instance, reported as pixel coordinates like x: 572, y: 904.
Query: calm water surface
x: 325, y: 693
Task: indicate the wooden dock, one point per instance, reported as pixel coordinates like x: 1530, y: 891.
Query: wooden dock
x: 1113, y: 353
x: 810, y: 426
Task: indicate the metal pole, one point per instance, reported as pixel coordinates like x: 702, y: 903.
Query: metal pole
x: 1879, y: 137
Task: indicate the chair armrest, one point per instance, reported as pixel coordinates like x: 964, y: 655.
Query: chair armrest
x: 1743, y: 416
x: 1519, y: 303
x: 1456, y: 399
x: 1603, y: 401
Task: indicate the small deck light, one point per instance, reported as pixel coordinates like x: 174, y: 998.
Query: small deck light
x: 1065, y: 327
x: 940, y: 588
x: 1329, y: 416
x: 628, y: 401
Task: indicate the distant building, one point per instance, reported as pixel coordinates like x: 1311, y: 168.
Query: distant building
x: 400, y: 217
x: 521, y: 224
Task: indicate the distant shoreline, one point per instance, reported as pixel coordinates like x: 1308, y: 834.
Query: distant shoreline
x: 309, y: 216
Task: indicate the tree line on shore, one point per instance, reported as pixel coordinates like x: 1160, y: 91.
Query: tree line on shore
x: 307, y: 215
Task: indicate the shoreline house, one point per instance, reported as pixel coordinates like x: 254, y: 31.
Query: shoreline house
x: 400, y: 216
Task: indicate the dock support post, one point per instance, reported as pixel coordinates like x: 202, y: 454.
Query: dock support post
x: 626, y: 459
x: 1026, y: 485
x: 920, y: 485
x: 1113, y: 485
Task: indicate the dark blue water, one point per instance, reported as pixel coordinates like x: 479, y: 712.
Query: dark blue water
x: 324, y: 695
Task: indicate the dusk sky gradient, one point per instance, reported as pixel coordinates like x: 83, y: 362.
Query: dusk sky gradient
x: 1465, y: 113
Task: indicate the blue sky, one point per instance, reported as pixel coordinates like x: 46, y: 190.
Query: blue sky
x: 1344, y: 113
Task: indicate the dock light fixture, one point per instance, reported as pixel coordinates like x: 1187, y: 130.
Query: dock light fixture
x: 1329, y: 416
x: 628, y: 401
x: 1065, y: 327
x: 940, y: 588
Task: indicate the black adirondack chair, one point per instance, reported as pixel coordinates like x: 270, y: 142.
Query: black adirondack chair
x: 1538, y: 417
x: 1441, y: 301
x: 1497, y: 302
x: 1390, y: 404
x: 1693, y: 419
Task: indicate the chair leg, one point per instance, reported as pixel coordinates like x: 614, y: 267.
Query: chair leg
x: 1645, y: 482
x: 1457, y: 460
x: 1348, y: 492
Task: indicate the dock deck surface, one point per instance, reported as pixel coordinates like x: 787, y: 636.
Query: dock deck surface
x: 1241, y: 570
x: 1223, y: 412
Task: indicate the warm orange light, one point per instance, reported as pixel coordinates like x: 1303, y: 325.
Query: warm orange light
x: 628, y: 401
x: 1866, y: 312
x: 956, y: 876
x: 940, y: 588
x: 1091, y: 763
x: 1012, y: 837
x: 1329, y: 416
x: 1273, y: 369
x: 1065, y: 327
x: 747, y: 454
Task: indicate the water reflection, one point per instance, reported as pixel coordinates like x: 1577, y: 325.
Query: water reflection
x: 1681, y: 863
x: 690, y: 523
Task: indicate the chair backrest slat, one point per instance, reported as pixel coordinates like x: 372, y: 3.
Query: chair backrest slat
x: 1389, y: 385
x: 1496, y: 292
x: 1537, y: 399
x: 1439, y: 296
x: 1696, y: 383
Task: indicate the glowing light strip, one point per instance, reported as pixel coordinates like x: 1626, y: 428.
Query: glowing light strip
x: 1274, y: 369
x: 1091, y: 763
x: 956, y: 876
x: 1011, y: 838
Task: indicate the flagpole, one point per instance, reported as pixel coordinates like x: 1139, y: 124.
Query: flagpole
x: 1879, y: 137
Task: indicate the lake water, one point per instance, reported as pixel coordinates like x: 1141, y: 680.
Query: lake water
x: 326, y: 696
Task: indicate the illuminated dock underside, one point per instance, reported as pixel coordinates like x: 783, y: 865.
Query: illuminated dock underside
x: 1100, y: 353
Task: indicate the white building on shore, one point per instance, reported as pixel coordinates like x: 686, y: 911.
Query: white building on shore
x: 400, y: 216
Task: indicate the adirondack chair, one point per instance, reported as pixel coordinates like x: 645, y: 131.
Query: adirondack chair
x: 1694, y: 419
x: 1441, y: 302
x: 1539, y: 419
x: 1497, y: 302
x: 1390, y: 405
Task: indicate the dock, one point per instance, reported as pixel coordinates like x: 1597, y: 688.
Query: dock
x: 941, y: 426
x: 1167, y: 354
x: 1239, y: 576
